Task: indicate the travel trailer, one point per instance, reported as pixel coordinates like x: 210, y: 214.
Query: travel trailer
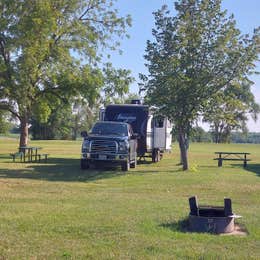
x: 154, y: 132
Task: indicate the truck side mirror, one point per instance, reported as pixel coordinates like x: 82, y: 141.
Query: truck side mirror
x: 84, y: 134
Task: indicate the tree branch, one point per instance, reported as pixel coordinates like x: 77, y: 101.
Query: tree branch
x: 7, y: 107
x: 90, y: 7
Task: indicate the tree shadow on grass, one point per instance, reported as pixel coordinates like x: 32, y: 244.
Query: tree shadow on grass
x: 5, y: 156
x: 65, y: 169
x: 59, y: 169
x: 178, y: 226
x: 255, y: 168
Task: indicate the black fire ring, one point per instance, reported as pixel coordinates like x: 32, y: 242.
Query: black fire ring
x: 211, y: 219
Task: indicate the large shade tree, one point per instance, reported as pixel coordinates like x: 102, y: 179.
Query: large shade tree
x: 49, y: 51
x: 194, y: 54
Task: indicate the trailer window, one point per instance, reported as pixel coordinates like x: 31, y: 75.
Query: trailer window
x: 158, y: 122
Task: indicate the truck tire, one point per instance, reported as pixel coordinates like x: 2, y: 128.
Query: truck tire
x: 125, y: 166
x: 134, y: 163
x: 84, y: 164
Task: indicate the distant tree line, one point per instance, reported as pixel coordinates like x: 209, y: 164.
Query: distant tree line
x: 202, y: 136
x: 251, y: 138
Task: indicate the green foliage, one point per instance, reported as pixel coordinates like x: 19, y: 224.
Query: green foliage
x: 116, y: 84
x: 66, y: 121
x: 42, y: 111
x: 228, y: 110
x: 5, y: 125
x: 50, y: 50
x: 200, y: 135
x: 194, y: 55
x: 58, y: 125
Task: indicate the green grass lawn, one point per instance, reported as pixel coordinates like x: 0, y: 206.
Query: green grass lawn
x: 55, y: 210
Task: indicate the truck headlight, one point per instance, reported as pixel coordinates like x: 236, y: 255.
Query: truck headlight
x: 85, y: 146
x: 123, y: 146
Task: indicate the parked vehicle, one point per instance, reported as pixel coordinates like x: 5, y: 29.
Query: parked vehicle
x: 154, y: 131
x: 110, y: 142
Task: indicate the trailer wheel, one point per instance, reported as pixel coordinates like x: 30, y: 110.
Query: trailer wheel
x: 156, y: 155
x: 84, y: 164
x: 161, y: 156
x: 125, y: 166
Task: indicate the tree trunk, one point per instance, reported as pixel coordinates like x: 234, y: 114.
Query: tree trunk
x: 216, y: 134
x: 183, y: 149
x: 74, y: 133
x: 24, y: 134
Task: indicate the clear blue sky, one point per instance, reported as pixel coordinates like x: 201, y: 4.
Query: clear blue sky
x: 247, y: 15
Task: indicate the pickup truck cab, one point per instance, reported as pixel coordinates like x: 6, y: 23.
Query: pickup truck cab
x: 109, y: 142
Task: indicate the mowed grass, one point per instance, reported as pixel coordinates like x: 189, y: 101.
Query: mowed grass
x: 55, y: 210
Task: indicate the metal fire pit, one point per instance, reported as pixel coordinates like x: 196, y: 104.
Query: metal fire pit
x: 211, y: 219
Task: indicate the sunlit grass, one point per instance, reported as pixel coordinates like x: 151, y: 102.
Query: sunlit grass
x: 56, y: 210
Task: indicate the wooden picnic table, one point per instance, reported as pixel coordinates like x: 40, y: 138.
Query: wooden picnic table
x: 232, y: 156
x: 30, y: 152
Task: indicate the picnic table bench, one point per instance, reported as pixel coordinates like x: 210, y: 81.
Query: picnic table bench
x: 232, y: 156
x: 43, y: 155
x: 29, y: 152
x: 17, y: 155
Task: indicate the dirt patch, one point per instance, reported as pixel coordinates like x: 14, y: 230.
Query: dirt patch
x: 238, y: 231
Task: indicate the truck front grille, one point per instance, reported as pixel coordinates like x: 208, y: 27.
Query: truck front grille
x: 103, y: 146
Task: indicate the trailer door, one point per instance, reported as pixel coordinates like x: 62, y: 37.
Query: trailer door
x: 159, y: 133
x: 162, y: 133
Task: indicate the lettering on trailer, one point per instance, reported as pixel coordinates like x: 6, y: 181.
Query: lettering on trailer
x: 126, y: 117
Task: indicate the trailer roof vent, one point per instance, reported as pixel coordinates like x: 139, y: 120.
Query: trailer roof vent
x: 136, y: 101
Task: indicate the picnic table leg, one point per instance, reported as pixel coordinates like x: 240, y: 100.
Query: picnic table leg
x: 245, y: 162
x: 219, y: 161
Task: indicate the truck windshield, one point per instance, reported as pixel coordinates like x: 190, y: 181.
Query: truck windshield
x: 109, y: 129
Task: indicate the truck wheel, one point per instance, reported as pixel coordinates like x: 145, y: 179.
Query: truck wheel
x: 134, y: 163
x: 125, y: 166
x: 84, y: 164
